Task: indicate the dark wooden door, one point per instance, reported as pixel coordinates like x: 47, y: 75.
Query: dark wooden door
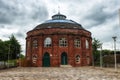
x: 64, y: 60
x: 46, y: 60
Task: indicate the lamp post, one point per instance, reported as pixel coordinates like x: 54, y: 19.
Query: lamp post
x: 101, y: 60
x: 114, y: 38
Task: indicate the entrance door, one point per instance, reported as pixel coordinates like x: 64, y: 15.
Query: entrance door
x: 64, y: 58
x: 46, y: 60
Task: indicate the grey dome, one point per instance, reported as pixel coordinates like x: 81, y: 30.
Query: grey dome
x: 59, y: 21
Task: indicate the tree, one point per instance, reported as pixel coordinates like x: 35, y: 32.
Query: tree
x: 22, y: 56
x: 9, y: 49
x: 15, y: 48
x: 1, y: 50
x: 106, y: 52
x: 95, y: 45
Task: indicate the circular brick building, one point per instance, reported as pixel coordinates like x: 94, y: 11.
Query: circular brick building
x: 57, y: 42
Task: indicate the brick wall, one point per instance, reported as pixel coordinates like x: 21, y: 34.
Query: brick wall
x: 55, y: 50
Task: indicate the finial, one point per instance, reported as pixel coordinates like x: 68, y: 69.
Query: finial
x: 58, y: 9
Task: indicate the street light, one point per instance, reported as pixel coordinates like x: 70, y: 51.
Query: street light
x: 101, y: 60
x: 114, y: 38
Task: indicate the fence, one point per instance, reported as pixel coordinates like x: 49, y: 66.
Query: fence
x: 4, y: 65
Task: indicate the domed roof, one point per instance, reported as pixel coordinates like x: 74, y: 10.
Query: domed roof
x: 59, y: 21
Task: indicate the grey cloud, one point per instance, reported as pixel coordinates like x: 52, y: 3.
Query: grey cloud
x: 98, y: 15
x: 6, y: 12
x: 17, y: 12
x: 73, y: 1
x: 5, y: 36
x: 39, y: 15
x: 2, y: 26
x: 105, y: 35
x: 20, y: 34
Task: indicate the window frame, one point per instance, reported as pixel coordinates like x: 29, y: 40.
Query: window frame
x: 35, y: 43
x: 77, y: 59
x: 47, y: 42
x: 77, y: 43
x: 63, y: 42
x: 87, y: 44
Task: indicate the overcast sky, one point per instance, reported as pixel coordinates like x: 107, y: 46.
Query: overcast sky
x: 100, y: 17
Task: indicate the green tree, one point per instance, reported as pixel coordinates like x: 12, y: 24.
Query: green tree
x: 96, y: 44
x: 1, y: 50
x: 106, y: 52
x: 22, y: 56
x: 10, y: 47
x: 14, y: 48
x: 9, y: 50
x: 96, y: 56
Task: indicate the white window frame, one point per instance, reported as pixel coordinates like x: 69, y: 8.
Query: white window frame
x: 77, y: 43
x: 77, y: 58
x: 87, y: 44
x: 47, y: 42
x: 63, y: 42
x: 35, y: 43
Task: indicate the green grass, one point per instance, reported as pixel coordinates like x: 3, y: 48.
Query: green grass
x: 12, y: 62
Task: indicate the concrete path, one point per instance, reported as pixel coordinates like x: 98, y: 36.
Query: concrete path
x: 58, y: 73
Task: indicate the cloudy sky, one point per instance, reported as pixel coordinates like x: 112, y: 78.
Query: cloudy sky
x: 98, y: 16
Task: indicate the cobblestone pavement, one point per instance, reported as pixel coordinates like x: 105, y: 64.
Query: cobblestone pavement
x: 60, y: 73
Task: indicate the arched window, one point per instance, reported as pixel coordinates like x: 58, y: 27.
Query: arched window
x: 47, y: 42
x: 87, y: 44
x: 34, y: 58
x: 77, y: 43
x: 77, y: 59
x: 63, y: 42
x: 35, y: 43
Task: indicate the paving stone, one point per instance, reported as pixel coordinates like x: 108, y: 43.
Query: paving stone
x: 58, y: 73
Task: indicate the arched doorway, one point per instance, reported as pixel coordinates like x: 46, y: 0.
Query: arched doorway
x: 64, y: 60
x: 46, y: 60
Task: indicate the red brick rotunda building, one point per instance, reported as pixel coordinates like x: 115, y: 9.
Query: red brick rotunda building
x: 57, y: 42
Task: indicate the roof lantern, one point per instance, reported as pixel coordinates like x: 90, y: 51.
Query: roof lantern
x: 58, y: 17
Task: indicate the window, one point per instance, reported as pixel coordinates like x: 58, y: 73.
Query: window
x: 63, y: 42
x: 77, y: 43
x: 34, y: 58
x: 77, y: 59
x: 87, y: 44
x: 47, y: 42
x: 35, y: 43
